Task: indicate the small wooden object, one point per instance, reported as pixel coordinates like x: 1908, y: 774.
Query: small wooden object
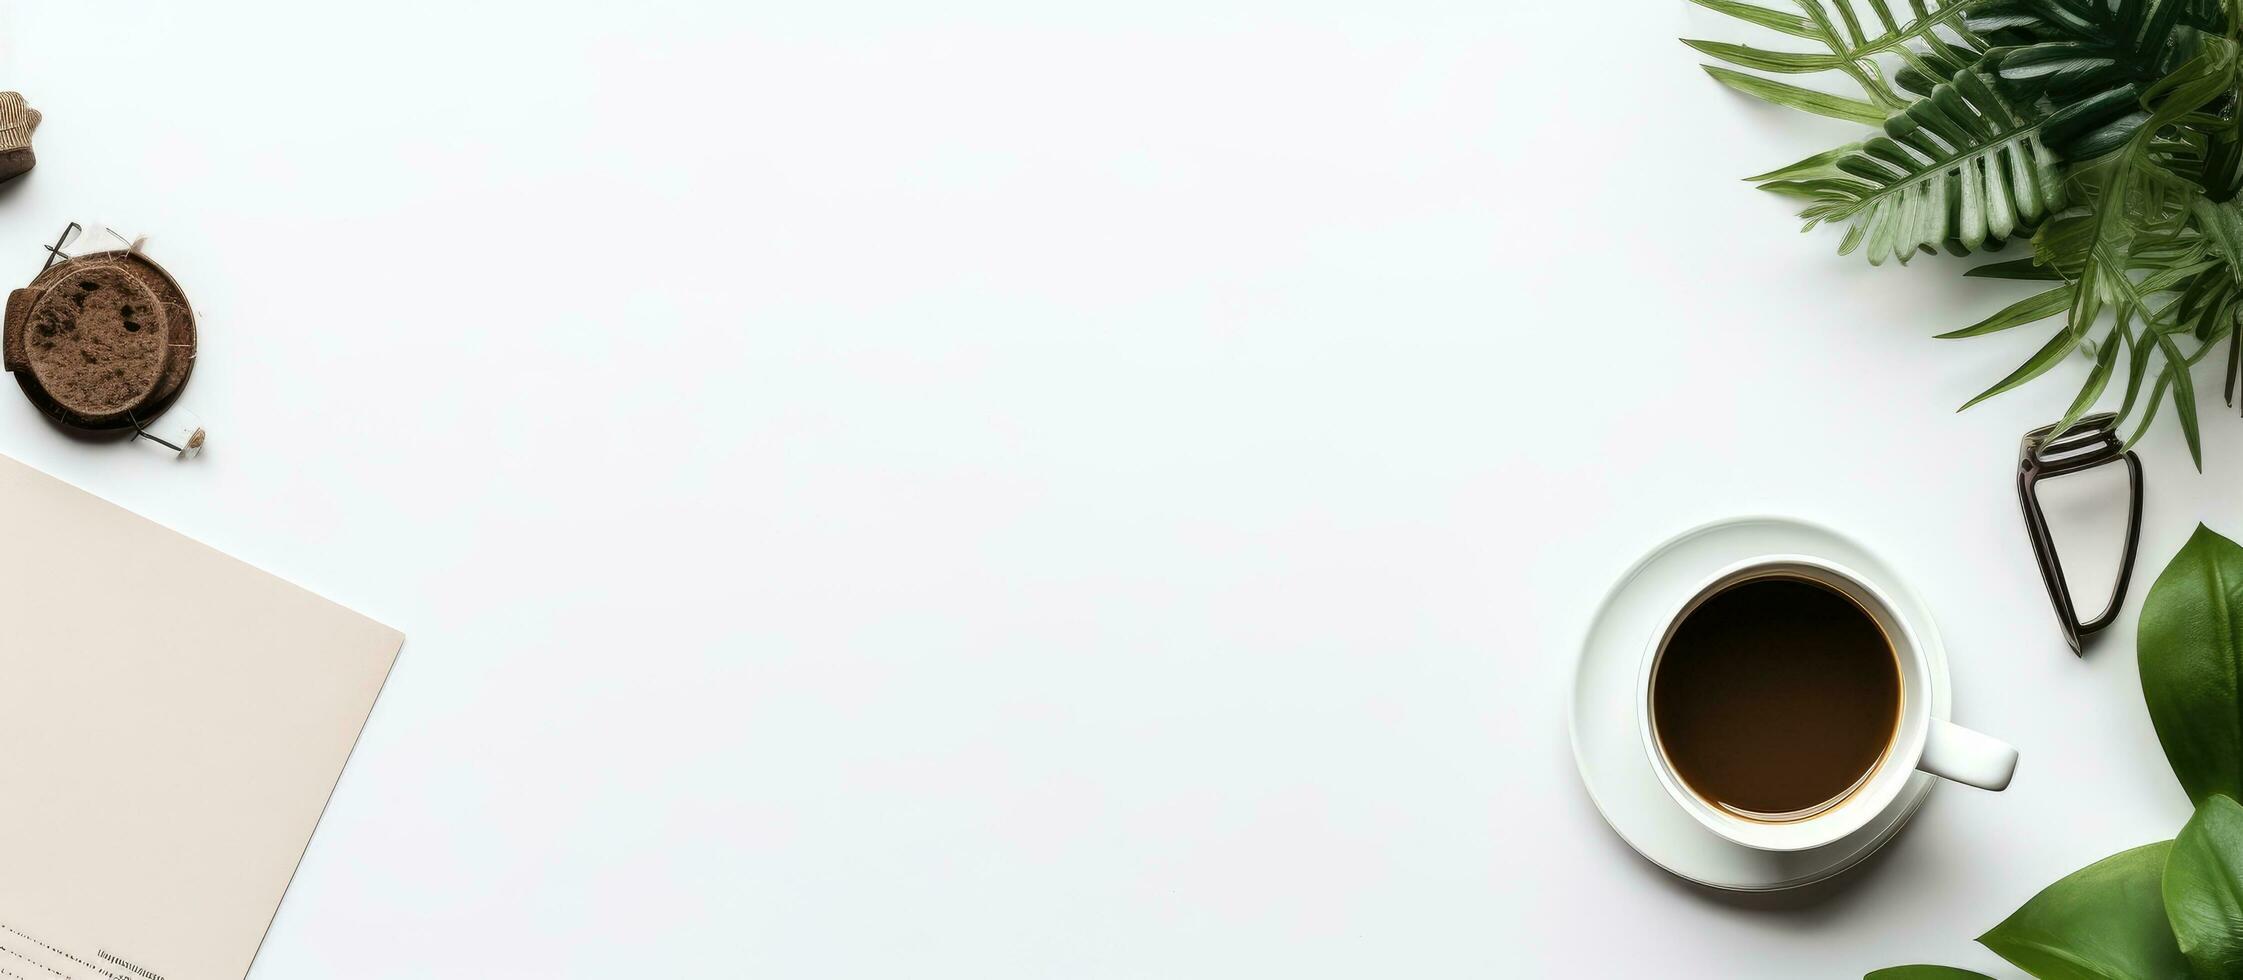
x: 17, y: 120
x: 102, y: 341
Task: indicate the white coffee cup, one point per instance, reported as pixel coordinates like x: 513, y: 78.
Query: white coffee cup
x: 1919, y: 741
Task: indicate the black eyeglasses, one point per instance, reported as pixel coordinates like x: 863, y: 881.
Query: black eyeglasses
x: 2091, y: 442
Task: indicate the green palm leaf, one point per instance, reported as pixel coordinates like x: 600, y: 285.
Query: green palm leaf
x: 2140, y: 233
x: 1918, y: 37
x: 1964, y: 163
x: 2108, y: 131
x: 1999, y: 94
x: 1806, y: 100
x: 1775, y: 20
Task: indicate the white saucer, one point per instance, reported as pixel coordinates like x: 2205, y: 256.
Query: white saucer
x: 1610, y: 751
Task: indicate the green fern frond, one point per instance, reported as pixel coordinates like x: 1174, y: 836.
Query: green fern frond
x: 2108, y: 132
x: 1964, y: 164
x: 2000, y: 94
x: 1919, y: 40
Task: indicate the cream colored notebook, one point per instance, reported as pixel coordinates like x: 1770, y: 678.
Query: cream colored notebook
x: 172, y: 722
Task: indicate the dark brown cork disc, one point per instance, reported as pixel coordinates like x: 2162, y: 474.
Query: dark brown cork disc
x: 103, y: 341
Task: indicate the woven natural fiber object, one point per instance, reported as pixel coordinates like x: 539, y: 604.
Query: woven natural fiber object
x: 103, y: 341
x: 17, y: 120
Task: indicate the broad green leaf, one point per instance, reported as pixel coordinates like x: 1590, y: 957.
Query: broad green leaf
x: 2047, y: 357
x: 1775, y: 20
x: 1923, y: 971
x: 2103, y: 922
x: 2039, y: 306
x: 1792, y: 96
x: 2204, y: 889
x: 2190, y: 644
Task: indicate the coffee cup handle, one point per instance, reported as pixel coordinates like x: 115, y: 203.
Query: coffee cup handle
x: 1965, y: 756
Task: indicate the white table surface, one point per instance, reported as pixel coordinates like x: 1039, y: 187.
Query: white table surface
x: 1004, y: 489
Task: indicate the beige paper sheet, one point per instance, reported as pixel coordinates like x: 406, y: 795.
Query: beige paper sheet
x: 172, y: 722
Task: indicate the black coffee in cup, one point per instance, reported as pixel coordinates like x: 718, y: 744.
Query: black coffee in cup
x: 1775, y: 698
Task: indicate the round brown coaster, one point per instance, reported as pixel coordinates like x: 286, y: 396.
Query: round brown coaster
x: 102, y: 341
